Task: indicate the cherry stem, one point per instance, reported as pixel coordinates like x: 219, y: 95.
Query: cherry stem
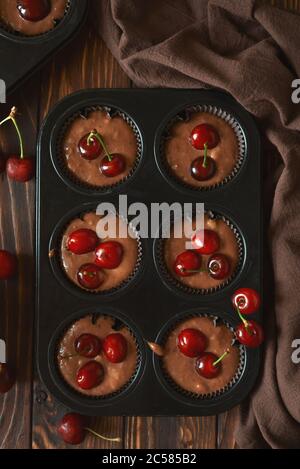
x: 246, y: 324
x: 205, y: 156
x: 95, y: 134
x: 221, y: 357
x: 117, y: 440
x: 194, y: 271
x: 12, y: 118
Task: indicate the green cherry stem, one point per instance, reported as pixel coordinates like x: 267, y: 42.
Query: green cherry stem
x: 95, y: 134
x: 117, y: 440
x: 221, y: 357
x: 205, y: 156
x: 245, y: 322
x: 12, y: 117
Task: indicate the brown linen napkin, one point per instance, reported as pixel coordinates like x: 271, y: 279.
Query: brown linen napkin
x: 251, y: 50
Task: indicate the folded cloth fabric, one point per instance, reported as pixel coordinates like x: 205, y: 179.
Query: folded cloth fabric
x: 251, y: 50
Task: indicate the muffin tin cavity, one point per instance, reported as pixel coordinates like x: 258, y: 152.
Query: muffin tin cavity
x: 35, y: 41
x: 121, y: 136
x: 175, y: 152
x: 173, y: 365
x: 65, y: 361
x: 65, y: 264
x: 152, y: 300
x: 231, y: 244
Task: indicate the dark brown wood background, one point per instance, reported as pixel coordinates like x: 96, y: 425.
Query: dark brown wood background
x: 28, y: 415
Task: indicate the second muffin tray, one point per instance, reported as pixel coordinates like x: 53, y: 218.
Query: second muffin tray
x: 150, y: 304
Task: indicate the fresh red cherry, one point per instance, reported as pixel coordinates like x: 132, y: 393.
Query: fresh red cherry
x: 208, y: 365
x: 187, y: 263
x: 88, y: 345
x: 90, y: 147
x: 71, y: 428
x: 20, y: 169
x: 7, y: 378
x: 112, y: 165
x: 247, y: 300
x: 8, y: 265
x: 203, y: 171
x: 34, y: 10
x: 82, y: 241
x: 206, y: 241
x: 90, y: 375
x: 250, y: 333
x: 191, y: 342
x: 204, y: 134
x: 218, y: 266
x: 115, y: 347
x: 90, y: 276
x: 109, y: 254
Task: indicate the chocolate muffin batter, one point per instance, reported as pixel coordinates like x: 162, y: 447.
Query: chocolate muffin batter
x: 116, y: 375
x: 182, y: 368
x: 113, y: 277
x: 10, y: 16
x: 118, y: 136
x: 179, y: 153
x: 228, y: 246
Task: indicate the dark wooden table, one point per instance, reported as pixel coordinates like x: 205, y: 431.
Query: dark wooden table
x: 28, y: 415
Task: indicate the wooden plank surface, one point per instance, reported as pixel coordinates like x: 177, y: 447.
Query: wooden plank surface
x: 28, y: 416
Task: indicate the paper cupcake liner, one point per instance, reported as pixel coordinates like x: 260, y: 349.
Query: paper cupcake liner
x: 193, y: 396
x: 176, y: 285
x: 184, y: 116
x: 6, y: 28
x: 118, y: 325
x: 55, y: 256
x: 59, y: 157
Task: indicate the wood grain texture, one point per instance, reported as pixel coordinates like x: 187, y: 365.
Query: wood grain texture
x: 28, y: 416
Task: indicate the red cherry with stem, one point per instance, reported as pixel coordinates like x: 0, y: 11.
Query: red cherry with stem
x: 8, y: 265
x: 73, y: 427
x: 208, y: 365
x: 109, y: 254
x: 218, y: 266
x: 206, y: 241
x: 90, y: 276
x: 187, y: 263
x: 34, y: 10
x: 7, y: 378
x: 88, y: 345
x: 82, y: 241
x: 250, y: 333
x: 191, y: 342
x: 89, y: 146
x: 202, y: 172
x: 204, y: 134
x: 90, y: 375
x: 20, y: 169
x: 246, y: 299
x: 112, y: 165
x: 204, y: 167
x: 115, y: 347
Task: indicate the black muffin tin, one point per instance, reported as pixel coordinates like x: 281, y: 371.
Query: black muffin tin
x: 21, y: 55
x: 147, y: 304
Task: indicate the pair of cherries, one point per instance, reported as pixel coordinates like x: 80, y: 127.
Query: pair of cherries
x: 247, y: 301
x: 108, y: 255
x: 114, y: 348
x: 203, y: 137
x: 204, y: 242
x: 192, y: 343
x: 92, y: 145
